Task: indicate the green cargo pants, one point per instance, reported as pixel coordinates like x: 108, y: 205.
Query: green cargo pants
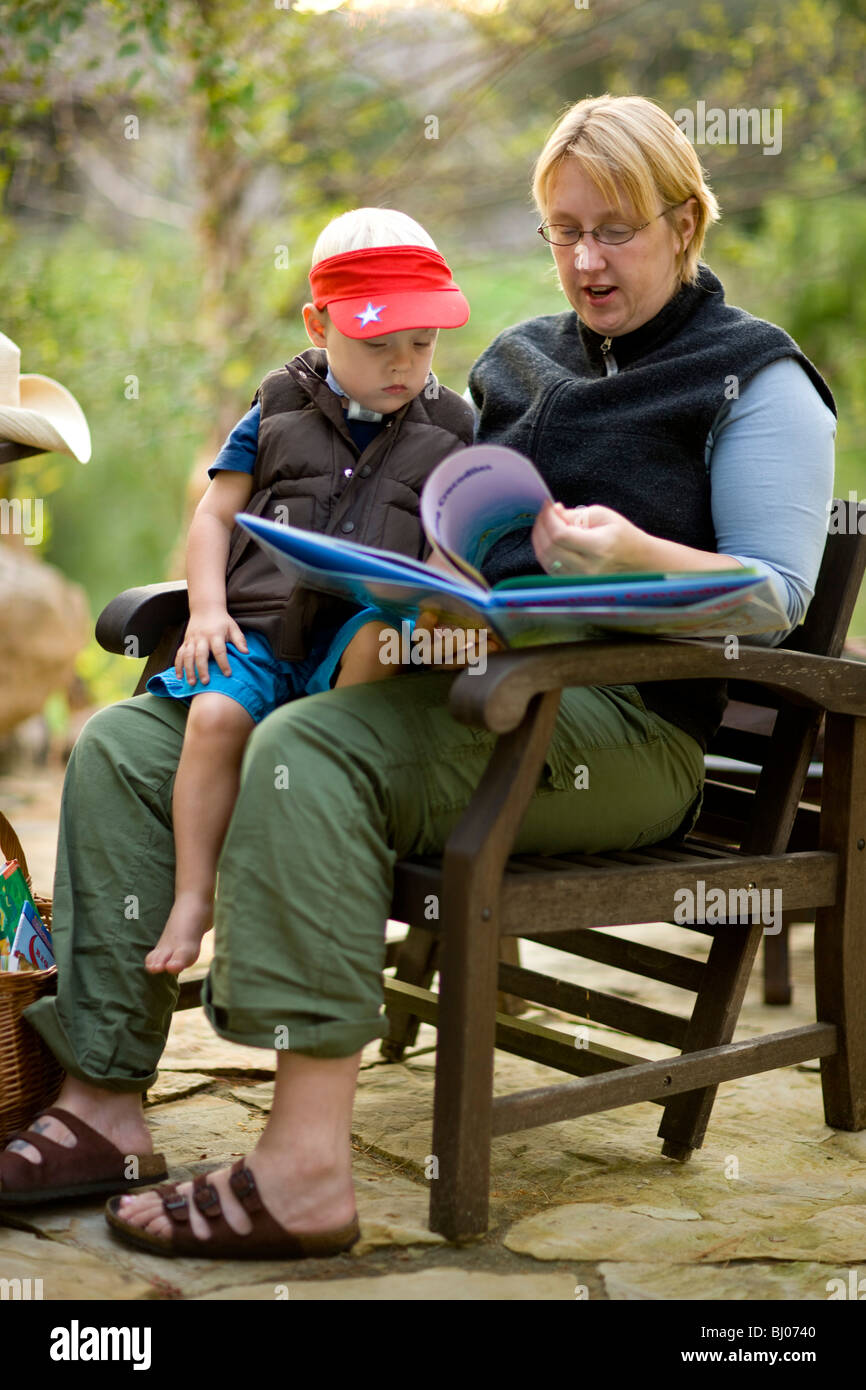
x: 335, y: 788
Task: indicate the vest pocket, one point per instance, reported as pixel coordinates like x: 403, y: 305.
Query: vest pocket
x: 401, y: 520
x: 289, y: 509
x: 402, y: 533
x: 286, y: 510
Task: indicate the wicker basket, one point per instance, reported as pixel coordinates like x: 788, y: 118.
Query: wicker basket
x: 30, y: 1075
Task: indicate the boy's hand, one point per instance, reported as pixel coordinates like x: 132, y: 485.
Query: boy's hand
x: 465, y: 638
x: 438, y: 562
x: 207, y: 632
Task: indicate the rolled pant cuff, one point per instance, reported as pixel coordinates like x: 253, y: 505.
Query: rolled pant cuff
x: 43, y: 1016
x: 327, y: 1039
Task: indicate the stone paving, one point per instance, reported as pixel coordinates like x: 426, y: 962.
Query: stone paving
x: 773, y: 1206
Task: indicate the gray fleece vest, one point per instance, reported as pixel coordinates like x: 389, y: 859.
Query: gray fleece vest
x: 627, y: 428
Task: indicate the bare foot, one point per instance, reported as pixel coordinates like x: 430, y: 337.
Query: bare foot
x: 180, y: 943
x: 302, y: 1202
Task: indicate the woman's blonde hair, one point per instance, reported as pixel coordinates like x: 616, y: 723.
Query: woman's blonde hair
x: 365, y: 227
x: 630, y: 146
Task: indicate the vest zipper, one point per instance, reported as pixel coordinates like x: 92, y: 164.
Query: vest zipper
x: 385, y: 451
x: 610, y: 366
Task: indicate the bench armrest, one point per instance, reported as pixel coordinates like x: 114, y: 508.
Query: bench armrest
x: 498, y: 698
x: 133, y: 623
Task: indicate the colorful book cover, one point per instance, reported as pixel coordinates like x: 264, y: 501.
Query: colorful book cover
x: 31, y: 947
x: 14, y: 893
x: 469, y: 502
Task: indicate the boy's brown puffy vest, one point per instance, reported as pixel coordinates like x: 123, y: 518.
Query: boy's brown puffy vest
x: 309, y: 468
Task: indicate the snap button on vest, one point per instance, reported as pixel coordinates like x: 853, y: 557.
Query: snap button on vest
x: 347, y: 526
x: 365, y: 471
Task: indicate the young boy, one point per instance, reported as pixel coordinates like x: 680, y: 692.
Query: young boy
x: 339, y: 440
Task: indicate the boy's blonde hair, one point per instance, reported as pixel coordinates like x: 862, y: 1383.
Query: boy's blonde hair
x: 363, y: 227
x: 631, y: 146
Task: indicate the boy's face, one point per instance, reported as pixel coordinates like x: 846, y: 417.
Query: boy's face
x: 382, y: 373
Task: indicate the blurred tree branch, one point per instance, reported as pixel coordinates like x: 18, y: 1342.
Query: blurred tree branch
x: 261, y: 124
x: 106, y: 178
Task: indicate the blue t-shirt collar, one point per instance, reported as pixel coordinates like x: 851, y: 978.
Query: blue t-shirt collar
x: 356, y: 411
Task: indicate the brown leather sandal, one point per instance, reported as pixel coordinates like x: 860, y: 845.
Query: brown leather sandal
x: 267, y: 1239
x: 92, y: 1168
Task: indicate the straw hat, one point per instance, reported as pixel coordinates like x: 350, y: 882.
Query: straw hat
x: 37, y: 411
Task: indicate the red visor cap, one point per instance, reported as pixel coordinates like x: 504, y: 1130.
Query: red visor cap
x: 385, y: 289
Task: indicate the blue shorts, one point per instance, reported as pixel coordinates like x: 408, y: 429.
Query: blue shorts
x: 259, y: 681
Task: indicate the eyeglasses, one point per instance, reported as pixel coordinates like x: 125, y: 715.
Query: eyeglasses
x: 609, y: 234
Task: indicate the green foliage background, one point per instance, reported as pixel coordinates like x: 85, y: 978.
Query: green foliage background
x: 264, y: 125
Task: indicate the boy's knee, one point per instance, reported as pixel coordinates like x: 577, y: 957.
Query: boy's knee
x: 218, y: 717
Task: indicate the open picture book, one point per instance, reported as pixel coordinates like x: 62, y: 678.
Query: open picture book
x: 469, y: 502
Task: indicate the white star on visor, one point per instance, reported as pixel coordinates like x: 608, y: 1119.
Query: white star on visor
x: 370, y: 315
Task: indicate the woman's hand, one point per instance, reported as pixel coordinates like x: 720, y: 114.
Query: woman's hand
x: 207, y: 632
x: 587, y: 540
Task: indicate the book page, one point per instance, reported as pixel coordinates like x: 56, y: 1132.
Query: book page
x: 474, y: 498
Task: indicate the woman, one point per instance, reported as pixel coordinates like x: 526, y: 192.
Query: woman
x: 677, y: 433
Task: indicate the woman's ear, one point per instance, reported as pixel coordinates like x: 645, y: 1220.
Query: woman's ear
x: 316, y: 322
x: 687, y: 222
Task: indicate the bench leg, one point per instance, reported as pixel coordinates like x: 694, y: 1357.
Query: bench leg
x: 713, y: 1021
x: 463, y: 1104
x: 417, y: 962
x: 472, y: 868
x: 511, y: 1004
x: 777, y: 966
x: 840, y: 938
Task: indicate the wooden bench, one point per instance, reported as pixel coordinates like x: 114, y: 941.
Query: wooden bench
x: 762, y: 836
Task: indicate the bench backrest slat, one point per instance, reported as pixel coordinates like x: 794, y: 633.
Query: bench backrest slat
x: 783, y: 746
